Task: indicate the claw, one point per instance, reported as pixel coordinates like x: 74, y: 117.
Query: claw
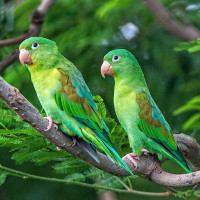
x: 51, y: 123
x: 74, y: 141
x: 145, y: 152
x: 132, y: 157
x: 50, y: 120
x: 55, y: 126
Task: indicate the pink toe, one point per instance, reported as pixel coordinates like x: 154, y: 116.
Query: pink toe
x: 132, y: 157
x: 74, y: 141
x: 50, y: 120
x: 145, y: 151
x: 133, y: 161
x: 55, y: 126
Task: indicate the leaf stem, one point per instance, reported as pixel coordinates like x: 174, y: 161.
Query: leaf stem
x: 3, y: 126
x: 129, y: 182
x: 122, y: 183
x: 130, y: 191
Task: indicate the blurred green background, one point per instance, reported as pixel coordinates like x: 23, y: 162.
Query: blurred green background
x: 85, y: 31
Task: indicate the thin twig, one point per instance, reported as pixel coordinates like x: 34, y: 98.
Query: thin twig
x: 36, y: 21
x: 42, y: 178
x: 186, y: 33
x: 13, y: 41
x: 129, y: 182
x: 122, y: 183
x: 12, y: 57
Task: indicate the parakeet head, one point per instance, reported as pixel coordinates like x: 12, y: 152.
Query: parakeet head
x: 38, y: 53
x: 119, y: 63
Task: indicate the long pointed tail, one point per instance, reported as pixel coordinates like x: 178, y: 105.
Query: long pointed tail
x: 179, y: 158
x: 104, y: 145
x: 89, y: 148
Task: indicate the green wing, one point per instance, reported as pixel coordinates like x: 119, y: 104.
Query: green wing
x: 75, y: 99
x: 154, y: 125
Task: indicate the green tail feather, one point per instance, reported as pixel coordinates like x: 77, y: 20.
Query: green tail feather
x: 118, y: 160
x: 179, y: 158
x: 108, y: 148
x: 113, y: 155
x: 89, y: 148
x: 182, y: 161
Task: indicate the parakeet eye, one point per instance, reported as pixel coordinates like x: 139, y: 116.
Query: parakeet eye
x: 35, y: 45
x: 115, y: 58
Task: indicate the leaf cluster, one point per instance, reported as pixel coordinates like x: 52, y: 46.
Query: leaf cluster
x: 193, y: 105
x: 191, y: 47
x: 188, y: 195
x: 6, y: 19
x: 26, y: 145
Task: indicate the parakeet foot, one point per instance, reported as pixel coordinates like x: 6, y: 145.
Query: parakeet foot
x: 51, y: 123
x: 132, y: 157
x: 74, y: 141
x: 145, y: 152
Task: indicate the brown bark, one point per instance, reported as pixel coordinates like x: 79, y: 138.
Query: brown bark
x: 36, y: 21
x: 186, y: 33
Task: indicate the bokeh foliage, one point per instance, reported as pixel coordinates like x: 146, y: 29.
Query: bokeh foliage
x: 85, y: 31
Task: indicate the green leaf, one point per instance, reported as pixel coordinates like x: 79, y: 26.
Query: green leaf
x: 3, y: 176
x: 104, y: 179
x: 188, y: 195
x: 45, y: 156
x: 101, y: 106
x: 191, y: 121
x: 71, y: 165
x: 93, y: 173
x: 75, y: 177
x: 24, y: 131
x: 192, y: 105
x: 7, y: 116
x: 191, y: 47
x: 109, y: 181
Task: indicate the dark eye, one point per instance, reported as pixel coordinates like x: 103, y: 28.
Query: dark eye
x: 115, y: 58
x: 34, y: 45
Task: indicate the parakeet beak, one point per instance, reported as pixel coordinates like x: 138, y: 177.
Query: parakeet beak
x: 25, y: 57
x: 106, y: 68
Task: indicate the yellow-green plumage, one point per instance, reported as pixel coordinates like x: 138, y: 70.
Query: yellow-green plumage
x: 65, y: 96
x: 137, y: 111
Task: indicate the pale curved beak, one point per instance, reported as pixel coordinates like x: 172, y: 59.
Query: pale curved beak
x: 106, y: 68
x: 25, y: 57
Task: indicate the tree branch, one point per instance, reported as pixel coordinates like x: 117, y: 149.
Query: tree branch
x: 148, y: 166
x: 36, y: 21
x: 190, y: 148
x: 12, y: 57
x: 186, y: 33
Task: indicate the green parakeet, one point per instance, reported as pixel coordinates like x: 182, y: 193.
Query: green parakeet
x: 65, y: 97
x: 136, y: 110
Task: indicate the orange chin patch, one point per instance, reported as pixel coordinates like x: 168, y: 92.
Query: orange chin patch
x: 113, y: 75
